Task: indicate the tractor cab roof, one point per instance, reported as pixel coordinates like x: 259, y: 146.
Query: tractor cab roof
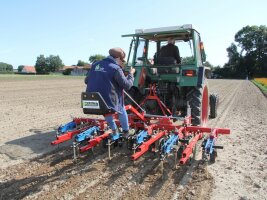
x: 183, y: 32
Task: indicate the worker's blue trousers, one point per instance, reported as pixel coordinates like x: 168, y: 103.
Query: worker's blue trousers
x: 123, y: 118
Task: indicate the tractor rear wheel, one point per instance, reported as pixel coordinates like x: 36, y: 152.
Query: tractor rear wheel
x: 198, y: 99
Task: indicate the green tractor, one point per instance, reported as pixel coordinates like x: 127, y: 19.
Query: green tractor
x: 177, y: 84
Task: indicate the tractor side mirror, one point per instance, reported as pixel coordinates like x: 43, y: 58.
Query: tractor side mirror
x: 202, y: 51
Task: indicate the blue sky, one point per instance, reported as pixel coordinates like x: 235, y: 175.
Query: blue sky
x: 74, y: 30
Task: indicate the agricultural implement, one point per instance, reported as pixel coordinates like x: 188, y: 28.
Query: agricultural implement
x: 160, y: 134
x: 168, y: 106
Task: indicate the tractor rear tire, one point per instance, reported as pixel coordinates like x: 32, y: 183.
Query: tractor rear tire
x: 198, y: 99
x: 214, y: 100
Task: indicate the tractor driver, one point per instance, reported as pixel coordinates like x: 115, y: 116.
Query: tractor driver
x: 169, y: 54
x: 107, y: 78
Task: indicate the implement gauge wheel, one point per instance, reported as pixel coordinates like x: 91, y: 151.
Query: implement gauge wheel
x: 198, y: 99
x: 214, y: 100
x: 213, y: 156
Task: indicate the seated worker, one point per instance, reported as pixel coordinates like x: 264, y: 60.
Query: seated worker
x: 169, y: 54
x: 107, y: 78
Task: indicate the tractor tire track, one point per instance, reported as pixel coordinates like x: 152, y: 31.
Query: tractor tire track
x: 226, y: 103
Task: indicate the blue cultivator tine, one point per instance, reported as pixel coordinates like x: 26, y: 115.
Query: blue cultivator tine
x: 141, y: 137
x: 168, y: 145
x: 86, y: 134
x: 67, y: 127
x: 209, y: 145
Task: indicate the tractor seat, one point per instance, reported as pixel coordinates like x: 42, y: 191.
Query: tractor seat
x: 94, y: 104
x: 166, y: 61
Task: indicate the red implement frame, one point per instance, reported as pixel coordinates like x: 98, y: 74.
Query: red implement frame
x: 153, y: 96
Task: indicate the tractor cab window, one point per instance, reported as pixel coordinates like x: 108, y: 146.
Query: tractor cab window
x: 145, y: 51
x: 140, y: 53
x: 136, y: 58
x: 185, y: 50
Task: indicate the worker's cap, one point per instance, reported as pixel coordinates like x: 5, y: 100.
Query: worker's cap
x: 117, y: 52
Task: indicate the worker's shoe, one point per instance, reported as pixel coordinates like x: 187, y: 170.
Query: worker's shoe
x: 114, y: 135
x: 128, y: 134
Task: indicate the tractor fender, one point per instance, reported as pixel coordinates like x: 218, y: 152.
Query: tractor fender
x: 140, y: 77
x: 203, y: 72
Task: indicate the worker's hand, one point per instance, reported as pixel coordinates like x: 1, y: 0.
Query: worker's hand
x: 120, y: 63
x: 132, y: 70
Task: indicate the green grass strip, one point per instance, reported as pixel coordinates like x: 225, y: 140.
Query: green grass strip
x: 262, y: 87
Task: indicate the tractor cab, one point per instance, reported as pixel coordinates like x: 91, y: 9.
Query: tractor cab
x: 175, y: 81
x: 145, y: 49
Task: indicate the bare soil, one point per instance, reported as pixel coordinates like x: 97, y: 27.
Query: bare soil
x: 31, y: 111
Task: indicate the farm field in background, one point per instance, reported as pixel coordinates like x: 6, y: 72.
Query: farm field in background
x: 261, y: 80
x: 20, y: 77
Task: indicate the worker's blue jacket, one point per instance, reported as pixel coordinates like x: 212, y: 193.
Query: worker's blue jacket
x: 107, y: 78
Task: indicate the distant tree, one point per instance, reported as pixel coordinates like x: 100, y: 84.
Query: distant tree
x: 96, y: 57
x: 208, y: 64
x: 54, y: 63
x: 49, y: 64
x: 188, y: 60
x: 5, y: 68
x: 9, y: 68
x: 40, y: 65
x: 235, y: 67
x: 248, y: 55
x: 221, y: 72
x: 67, y: 71
x: 233, y: 54
x: 253, y: 43
x: 20, y: 68
x: 81, y: 63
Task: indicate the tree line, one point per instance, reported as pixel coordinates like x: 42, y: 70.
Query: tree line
x: 46, y: 65
x: 247, y: 54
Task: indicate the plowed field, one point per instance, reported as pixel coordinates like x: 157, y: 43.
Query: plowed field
x: 31, y: 111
